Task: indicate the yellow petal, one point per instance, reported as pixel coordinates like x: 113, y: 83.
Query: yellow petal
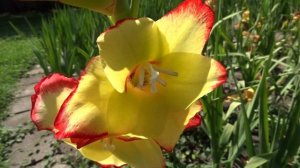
x: 128, y: 44
x: 112, y: 151
x: 98, y: 152
x: 163, y: 115
x: 84, y: 112
x: 49, y: 95
x: 197, y: 76
x: 103, y: 6
x: 147, y: 114
x: 139, y: 153
x: 187, y: 27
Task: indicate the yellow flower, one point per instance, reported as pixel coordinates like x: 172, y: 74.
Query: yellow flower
x: 145, y: 85
x: 246, y: 16
x: 137, y: 151
x: 247, y: 95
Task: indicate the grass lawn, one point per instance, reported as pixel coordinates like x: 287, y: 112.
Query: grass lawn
x: 16, y: 54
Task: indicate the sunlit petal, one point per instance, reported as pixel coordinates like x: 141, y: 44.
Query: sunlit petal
x: 187, y: 27
x: 83, y: 114
x: 49, y: 95
x: 129, y: 43
x: 197, y: 76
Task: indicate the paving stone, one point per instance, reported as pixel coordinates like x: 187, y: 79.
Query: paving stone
x: 36, y: 70
x: 53, y: 161
x: 31, y: 80
x: 20, y: 105
x: 16, y: 119
x: 33, y: 147
x: 24, y: 91
x: 61, y: 166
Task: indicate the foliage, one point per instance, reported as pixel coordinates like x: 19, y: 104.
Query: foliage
x: 259, y: 43
x: 15, y: 58
x: 68, y: 40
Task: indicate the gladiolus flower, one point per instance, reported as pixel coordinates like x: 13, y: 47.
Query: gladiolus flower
x: 49, y: 95
x: 153, y: 73
x: 145, y: 85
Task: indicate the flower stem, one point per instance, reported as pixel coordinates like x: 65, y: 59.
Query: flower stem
x: 135, y: 6
x: 122, y: 11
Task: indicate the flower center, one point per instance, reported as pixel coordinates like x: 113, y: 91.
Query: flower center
x: 149, y: 75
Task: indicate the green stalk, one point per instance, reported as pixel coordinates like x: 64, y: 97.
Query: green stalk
x: 263, y: 115
x: 135, y: 6
x: 264, y: 142
x: 122, y: 11
x: 244, y: 117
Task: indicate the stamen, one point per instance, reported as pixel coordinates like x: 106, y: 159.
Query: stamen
x: 141, y: 77
x: 153, y: 78
x: 162, y: 82
x: 165, y: 71
x: 148, y: 74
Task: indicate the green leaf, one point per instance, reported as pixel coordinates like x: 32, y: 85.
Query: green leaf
x: 225, y: 137
x: 258, y: 160
x: 231, y: 109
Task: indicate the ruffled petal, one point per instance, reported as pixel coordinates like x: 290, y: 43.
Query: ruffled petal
x: 49, y: 95
x: 128, y: 44
x: 187, y: 27
x: 103, y: 6
x: 83, y: 114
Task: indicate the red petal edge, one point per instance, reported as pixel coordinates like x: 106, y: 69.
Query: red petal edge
x: 200, y: 10
x: 128, y: 139
x: 49, y: 84
x: 194, y: 122
x: 60, y: 120
x: 166, y: 148
x: 83, y: 142
x: 223, y: 75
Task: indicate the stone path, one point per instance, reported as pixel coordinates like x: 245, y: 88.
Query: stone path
x: 32, y: 148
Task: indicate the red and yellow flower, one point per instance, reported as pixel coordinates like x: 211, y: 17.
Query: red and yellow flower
x: 141, y: 93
